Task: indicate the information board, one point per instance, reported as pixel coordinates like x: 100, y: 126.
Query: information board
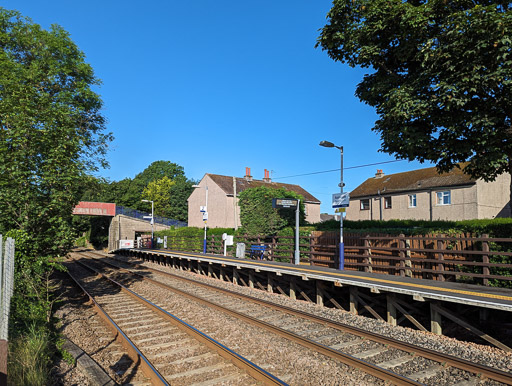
x: 340, y: 200
x: 283, y: 203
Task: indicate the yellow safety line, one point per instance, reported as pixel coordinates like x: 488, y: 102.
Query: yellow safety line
x: 479, y: 294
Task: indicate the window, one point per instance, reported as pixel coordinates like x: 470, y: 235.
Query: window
x: 387, y: 202
x: 412, y: 201
x: 365, y: 204
x: 444, y: 198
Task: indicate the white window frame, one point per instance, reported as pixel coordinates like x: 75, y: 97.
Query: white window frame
x: 361, y: 206
x: 444, y: 197
x: 412, y: 201
x: 388, y: 203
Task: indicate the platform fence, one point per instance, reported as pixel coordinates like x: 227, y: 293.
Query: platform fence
x: 462, y: 258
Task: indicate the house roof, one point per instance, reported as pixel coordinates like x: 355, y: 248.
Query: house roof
x: 414, y: 180
x: 226, y: 184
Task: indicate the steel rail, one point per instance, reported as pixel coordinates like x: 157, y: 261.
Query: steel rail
x: 239, y: 361
x: 132, y: 350
x: 366, y: 367
x: 481, y: 370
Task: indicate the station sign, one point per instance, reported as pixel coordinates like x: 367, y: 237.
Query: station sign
x: 126, y: 244
x: 340, y: 200
x: 284, y: 203
x: 85, y: 208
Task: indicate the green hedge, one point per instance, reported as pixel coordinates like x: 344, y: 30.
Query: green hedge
x: 499, y: 227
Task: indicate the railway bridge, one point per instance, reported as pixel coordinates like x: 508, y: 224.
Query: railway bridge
x: 126, y: 223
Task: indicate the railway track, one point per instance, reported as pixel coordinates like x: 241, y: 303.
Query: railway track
x: 167, y: 350
x: 388, y: 359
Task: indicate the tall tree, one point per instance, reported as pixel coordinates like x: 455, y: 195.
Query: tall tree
x: 159, y: 191
x: 441, y: 80
x: 51, y: 130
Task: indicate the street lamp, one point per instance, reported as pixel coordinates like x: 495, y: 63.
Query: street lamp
x: 205, y: 215
x: 342, y: 245
x: 152, y: 219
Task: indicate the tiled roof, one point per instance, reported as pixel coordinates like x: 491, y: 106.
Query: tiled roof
x: 412, y: 181
x: 226, y: 184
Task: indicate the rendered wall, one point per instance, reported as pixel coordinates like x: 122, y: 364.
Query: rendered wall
x: 463, y: 206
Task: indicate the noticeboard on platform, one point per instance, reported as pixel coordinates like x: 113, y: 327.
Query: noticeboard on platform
x: 284, y: 203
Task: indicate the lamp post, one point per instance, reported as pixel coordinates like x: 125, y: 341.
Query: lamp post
x: 342, y: 245
x: 152, y: 219
x: 205, y: 215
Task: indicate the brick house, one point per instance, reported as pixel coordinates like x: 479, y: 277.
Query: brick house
x: 223, y: 209
x: 425, y: 194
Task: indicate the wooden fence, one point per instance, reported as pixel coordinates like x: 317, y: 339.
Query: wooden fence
x: 461, y: 258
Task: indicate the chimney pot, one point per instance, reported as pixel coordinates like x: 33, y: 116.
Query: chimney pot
x: 379, y: 173
x: 248, y: 176
x: 267, y: 176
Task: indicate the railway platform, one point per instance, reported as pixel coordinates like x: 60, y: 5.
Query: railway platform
x: 419, y: 303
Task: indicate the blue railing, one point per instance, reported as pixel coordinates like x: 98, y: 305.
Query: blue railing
x: 140, y: 215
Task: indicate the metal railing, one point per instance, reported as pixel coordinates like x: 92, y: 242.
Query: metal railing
x: 157, y: 219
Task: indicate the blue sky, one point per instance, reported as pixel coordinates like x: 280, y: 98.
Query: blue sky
x: 217, y: 86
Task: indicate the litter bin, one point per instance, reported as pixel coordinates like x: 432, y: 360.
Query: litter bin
x: 240, y: 250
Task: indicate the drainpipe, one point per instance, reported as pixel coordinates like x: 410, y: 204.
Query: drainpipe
x: 380, y: 206
x: 430, y: 199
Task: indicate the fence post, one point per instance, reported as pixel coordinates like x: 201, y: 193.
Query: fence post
x: 311, y: 243
x: 408, y: 263
x: 367, y: 252
x: 7, y: 274
x: 272, y: 247
x: 485, y: 259
x: 401, y: 253
x: 440, y: 257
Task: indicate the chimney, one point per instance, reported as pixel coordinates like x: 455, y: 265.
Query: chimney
x: 267, y: 176
x: 248, y: 176
x: 379, y: 173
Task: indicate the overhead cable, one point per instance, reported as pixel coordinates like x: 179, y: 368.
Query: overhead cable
x: 339, y: 169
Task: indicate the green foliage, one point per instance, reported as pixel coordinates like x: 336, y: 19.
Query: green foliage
x: 441, y: 80
x: 29, y: 359
x: 66, y: 356
x: 52, y: 134
x: 499, y: 227
x: 51, y: 131
x: 159, y: 191
x: 257, y: 215
x: 32, y: 300
x: 165, y: 180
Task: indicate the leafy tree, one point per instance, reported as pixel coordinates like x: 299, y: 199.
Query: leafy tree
x: 51, y: 131
x: 51, y: 136
x: 158, y: 170
x: 159, y: 191
x: 441, y: 80
x: 257, y: 215
x: 180, y: 192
